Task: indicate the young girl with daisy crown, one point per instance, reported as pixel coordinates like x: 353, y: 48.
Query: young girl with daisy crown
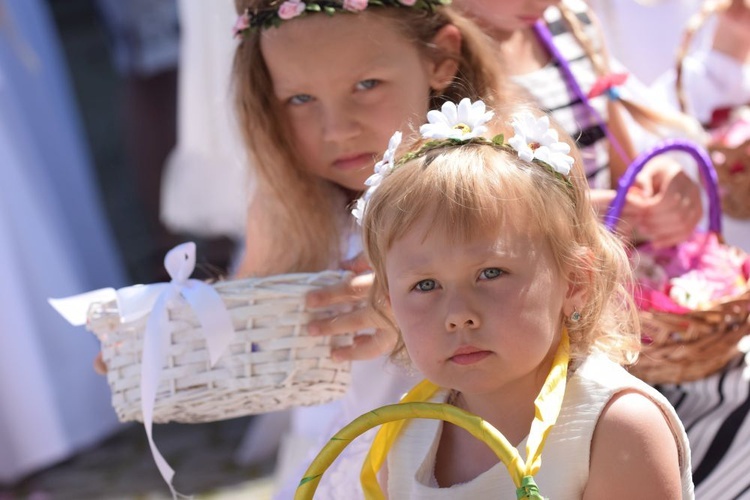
x: 320, y: 87
x: 512, y: 299
x: 664, y: 205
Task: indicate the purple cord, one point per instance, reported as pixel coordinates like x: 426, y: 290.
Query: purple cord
x: 705, y: 167
x: 545, y: 36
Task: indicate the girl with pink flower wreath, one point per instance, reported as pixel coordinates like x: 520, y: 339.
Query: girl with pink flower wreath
x: 320, y: 86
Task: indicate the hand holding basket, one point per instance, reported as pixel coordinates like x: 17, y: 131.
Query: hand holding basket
x: 684, y: 338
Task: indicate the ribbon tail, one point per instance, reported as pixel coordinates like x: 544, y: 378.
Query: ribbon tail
x: 151, y: 365
x: 213, y: 316
x: 547, y: 405
x: 384, y: 439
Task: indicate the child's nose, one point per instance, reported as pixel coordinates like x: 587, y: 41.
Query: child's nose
x: 339, y: 123
x: 456, y: 325
x: 461, y: 316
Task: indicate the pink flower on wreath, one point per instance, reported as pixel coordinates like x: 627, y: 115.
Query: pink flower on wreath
x: 291, y: 9
x: 243, y: 23
x: 408, y: 2
x: 355, y: 5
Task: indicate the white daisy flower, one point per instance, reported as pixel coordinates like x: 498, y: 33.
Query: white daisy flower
x: 536, y: 139
x: 463, y: 122
x: 359, y: 210
x: 384, y: 167
x: 556, y: 156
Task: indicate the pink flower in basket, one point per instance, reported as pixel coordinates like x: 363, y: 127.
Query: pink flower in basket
x: 689, y: 276
x: 736, y: 131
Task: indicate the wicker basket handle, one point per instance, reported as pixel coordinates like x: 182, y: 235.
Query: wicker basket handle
x: 705, y: 167
x: 475, y: 425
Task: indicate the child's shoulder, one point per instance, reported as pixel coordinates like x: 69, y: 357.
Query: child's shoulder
x: 635, y: 421
x: 635, y: 450
x: 599, y: 381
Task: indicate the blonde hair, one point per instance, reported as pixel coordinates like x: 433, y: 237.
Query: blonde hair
x: 468, y: 188
x: 305, y: 211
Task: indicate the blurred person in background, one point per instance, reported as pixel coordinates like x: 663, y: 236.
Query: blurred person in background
x: 207, y: 179
x: 146, y: 40
x: 716, y: 69
x: 54, y: 241
x: 144, y: 43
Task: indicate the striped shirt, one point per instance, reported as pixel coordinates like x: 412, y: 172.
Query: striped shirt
x: 551, y: 91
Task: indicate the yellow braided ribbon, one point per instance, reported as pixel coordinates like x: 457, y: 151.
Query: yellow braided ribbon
x: 391, y: 418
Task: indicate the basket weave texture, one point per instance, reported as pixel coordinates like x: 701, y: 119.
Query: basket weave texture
x: 685, y: 346
x: 733, y: 168
x: 271, y: 363
x: 731, y: 160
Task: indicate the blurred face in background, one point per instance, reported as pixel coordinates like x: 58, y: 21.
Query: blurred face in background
x: 506, y: 16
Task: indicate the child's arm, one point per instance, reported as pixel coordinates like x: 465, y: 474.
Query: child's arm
x: 633, y: 453
x: 633, y: 212
x: 259, y: 258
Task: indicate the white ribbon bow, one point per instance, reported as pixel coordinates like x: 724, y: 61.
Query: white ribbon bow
x: 137, y: 301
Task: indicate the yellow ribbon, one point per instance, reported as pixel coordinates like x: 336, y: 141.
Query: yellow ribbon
x: 392, y: 418
x: 546, y: 408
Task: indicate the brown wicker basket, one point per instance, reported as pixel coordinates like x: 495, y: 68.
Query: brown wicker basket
x: 270, y: 364
x: 732, y: 163
x: 680, y: 347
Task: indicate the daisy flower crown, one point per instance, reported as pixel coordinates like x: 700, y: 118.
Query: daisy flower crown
x: 278, y: 11
x: 534, y: 141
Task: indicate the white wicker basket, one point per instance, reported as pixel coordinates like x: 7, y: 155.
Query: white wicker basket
x: 271, y: 363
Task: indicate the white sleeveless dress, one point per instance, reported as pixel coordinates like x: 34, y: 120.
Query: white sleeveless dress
x: 565, y: 458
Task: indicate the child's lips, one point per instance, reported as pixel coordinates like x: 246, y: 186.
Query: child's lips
x: 530, y: 19
x: 468, y: 355
x: 355, y: 161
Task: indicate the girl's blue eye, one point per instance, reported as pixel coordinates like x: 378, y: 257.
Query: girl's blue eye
x: 367, y: 84
x: 491, y: 273
x: 425, y: 286
x: 300, y: 99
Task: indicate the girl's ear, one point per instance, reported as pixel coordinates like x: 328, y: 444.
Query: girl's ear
x: 447, y: 51
x: 579, y: 281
